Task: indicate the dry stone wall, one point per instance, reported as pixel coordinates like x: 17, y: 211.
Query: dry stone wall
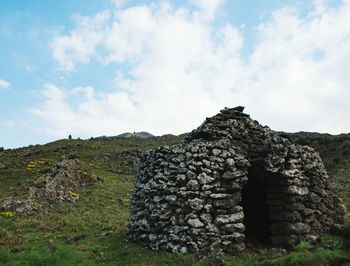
x: 188, y: 197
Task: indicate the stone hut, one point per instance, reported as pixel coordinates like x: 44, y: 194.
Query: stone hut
x: 230, y: 180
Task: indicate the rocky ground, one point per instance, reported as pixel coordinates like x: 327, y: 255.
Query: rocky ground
x: 56, y: 186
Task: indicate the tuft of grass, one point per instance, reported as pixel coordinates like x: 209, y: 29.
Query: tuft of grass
x: 303, y: 246
x: 247, y: 259
x: 332, y: 242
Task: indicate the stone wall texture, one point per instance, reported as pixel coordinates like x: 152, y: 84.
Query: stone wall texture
x: 188, y: 197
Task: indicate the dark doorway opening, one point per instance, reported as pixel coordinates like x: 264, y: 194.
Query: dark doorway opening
x: 255, y: 207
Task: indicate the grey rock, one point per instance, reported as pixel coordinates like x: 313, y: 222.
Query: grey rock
x: 19, y: 207
x: 196, y: 223
x: 296, y: 190
x: 190, y: 175
x: 183, y: 250
x: 205, y: 217
x: 238, y: 227
x: 230, y: 162
x: 208, y: 207
x: 225, y: 203
x: 196, y: 204
x: 216, y: 152
x: 229, y: 218
x: 180, y: 178
x: 220, y: 196
x: 228, y: 175
x: 171, y: 198
x: 58, y: 185
x: 205, y: 179
x: 193, y: 185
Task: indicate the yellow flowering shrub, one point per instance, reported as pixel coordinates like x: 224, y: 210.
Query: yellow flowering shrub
x: 92, y: 165
x: 32, y: 165
x: 74, y: 194
x: 7, y: 214
x: 37, y: 204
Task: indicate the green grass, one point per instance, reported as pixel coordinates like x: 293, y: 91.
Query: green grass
x: 93, y: 230
x: 317, y: 257
x: 57, y: 254
x: 89, y: 232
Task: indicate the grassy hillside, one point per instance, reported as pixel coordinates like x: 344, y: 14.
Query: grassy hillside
x: 92, y: 231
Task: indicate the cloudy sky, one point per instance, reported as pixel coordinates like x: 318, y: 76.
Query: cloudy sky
x: 91, y: 68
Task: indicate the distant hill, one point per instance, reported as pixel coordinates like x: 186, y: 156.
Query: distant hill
x: 137, y: 135
x: 141, y: 135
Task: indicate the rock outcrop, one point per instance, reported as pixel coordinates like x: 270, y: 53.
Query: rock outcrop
x: 229, y: 180
x: 58, y: 185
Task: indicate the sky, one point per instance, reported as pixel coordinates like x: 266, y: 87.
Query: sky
x: 91, y: 68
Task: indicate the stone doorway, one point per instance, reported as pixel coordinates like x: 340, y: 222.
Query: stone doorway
x: 255, y: 207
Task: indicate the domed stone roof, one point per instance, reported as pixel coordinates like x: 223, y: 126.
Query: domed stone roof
x: 231, y: 179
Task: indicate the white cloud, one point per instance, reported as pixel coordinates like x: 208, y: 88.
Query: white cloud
x: 4, y: 84
x: 94, y: 114
x: 184, y: 67
x: 80, y: 44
